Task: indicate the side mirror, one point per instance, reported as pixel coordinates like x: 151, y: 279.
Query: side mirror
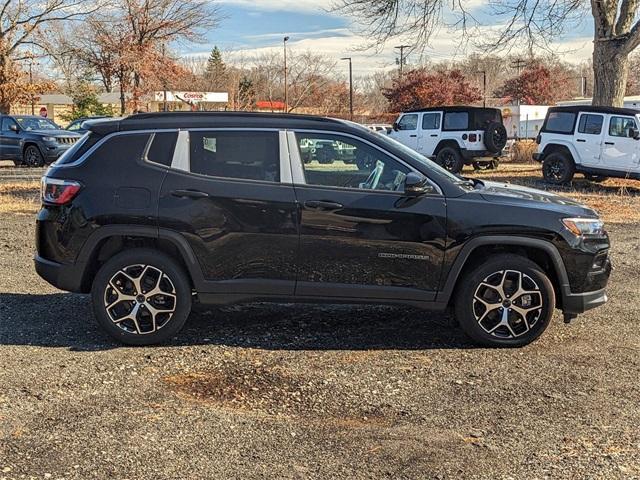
x: 395, y: 126
x: 14, y: 127
x: 634, y: 133
x: 416, y: 184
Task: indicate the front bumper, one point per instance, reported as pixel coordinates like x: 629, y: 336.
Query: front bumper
x: 537, y: 157
x: 53, y: 151
x: 575, y: 303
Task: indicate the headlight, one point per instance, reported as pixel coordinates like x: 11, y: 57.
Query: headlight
x: 50, y: 139
x: 584, y: 226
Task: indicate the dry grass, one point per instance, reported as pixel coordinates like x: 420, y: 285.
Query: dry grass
x: 22, y: 198
x: 522, y: 151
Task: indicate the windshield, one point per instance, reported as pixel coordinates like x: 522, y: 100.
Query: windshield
x: 35, y: 123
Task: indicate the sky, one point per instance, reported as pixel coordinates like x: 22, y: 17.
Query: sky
x: 252, y: 26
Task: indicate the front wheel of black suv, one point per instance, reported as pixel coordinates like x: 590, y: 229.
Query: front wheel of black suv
x: 32, y: 157
x: 141, y: 297
x: 451, y: 159
x: 507, y: 301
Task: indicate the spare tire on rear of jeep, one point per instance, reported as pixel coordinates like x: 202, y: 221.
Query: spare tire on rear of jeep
x: 495, y: 137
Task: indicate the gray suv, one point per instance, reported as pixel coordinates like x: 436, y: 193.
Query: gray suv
x: 32, y: 140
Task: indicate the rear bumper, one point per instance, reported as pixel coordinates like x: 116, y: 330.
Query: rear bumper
x: 469, y: 155
x: 64, y: 277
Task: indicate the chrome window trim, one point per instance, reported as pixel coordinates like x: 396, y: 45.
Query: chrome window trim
x: 106, y: 138
x: 300, y: 178
x: 295, y: 161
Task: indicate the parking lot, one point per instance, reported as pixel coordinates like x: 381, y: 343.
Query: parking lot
x: 306, y: 391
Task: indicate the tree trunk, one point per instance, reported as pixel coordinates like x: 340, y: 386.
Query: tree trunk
x: 5, y: 101
x: 610, y: 69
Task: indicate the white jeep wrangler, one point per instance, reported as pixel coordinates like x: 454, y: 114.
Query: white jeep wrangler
x: 599, y: 142
x: 453, y: 136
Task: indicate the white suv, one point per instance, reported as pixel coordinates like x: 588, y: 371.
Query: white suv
x: 599, y: 142
x: 453, y: 136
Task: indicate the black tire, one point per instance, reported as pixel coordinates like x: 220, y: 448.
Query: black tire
x: 469, y: 311
x: 558, y: 168
x: 132, y: 262
x: 32, y: 157
x: 495, y: 137
x: 595, y: 178
x: 451, y: 159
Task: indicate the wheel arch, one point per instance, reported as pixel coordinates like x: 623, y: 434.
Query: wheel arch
x: 447, y: 142
x: 565, y: 148
x: 477, y: 250
x: 110, y: 240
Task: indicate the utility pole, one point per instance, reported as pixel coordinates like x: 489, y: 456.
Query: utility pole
x: 518, y: 64
x: 350, y: 87
x: 484, y: 87
x: 286, y: 87
x: 33, y: 108
x: 402, y: 57
x: 164, y: 81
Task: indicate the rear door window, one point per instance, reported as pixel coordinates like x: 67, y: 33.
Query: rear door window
x: 456, y: 121
x: 431, y: 121
x: 247, y: 155
x: 560, y: 122
x: 590, y: 124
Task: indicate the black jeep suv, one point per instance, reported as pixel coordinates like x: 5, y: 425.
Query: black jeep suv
x: 155, y: 211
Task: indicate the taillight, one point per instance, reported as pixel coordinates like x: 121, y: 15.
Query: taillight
x: 59, y: 191
x: 473, y: 137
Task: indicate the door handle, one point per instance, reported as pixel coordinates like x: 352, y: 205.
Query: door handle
x: 322, y: 205
x: 434, y: 135
x: 189, y: 194
x: 413, y: 135
x: 580, y: 140
x: 609, y: 143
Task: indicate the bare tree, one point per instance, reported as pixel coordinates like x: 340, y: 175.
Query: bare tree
x: 529, y: 23
x: 20, y: 22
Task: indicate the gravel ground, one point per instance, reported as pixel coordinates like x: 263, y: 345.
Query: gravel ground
x: 299, y: 391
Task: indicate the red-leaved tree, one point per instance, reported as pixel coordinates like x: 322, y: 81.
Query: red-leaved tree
x: 536, y: 85
x: 421, y: 88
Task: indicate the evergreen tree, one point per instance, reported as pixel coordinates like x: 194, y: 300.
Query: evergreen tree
x: 216, y: 69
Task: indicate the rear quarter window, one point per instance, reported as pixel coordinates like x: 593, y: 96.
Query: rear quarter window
x: 560, y: 122
x: 456, y: 121
x: 121, y: 147
x: 81, y: 147
x: 161, y: 148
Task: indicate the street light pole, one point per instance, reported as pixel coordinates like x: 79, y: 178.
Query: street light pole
x: 350, y: 87
x: 402, y: 48
x: 286, y: 87
x: 164, y: 82
x: 33, y: 108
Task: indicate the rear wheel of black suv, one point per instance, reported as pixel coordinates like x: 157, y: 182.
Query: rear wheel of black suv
x: 507, y: 301
x: 141, y: 297
x: 558, y: 168
x: 451, y: 159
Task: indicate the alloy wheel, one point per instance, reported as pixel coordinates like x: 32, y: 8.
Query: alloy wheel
x: 507, y: 304
x: 140, y: 299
